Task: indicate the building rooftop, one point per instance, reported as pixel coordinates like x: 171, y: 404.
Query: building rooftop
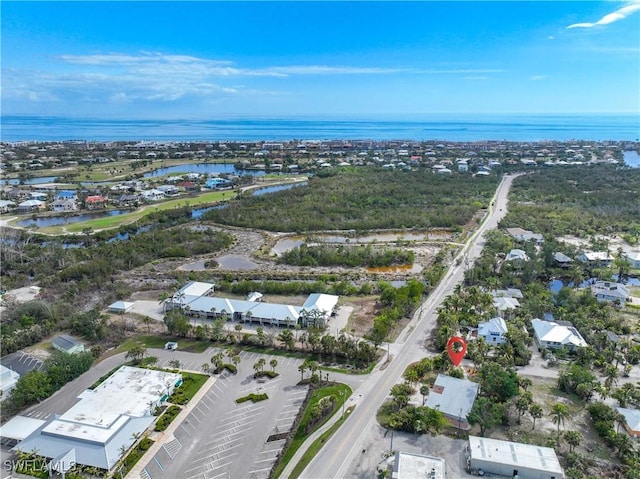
x: 514, y: 454
x: 452, y: 396
x: 417, y: 466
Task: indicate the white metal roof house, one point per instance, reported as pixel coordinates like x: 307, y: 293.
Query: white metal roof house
x: 608, y: 291
x: 106, y: 420
x: 454, y: 398
x: 67, y: 344
x: 631, y: 421
x: 633, y: 258
x: 505, y: 304
x: 602, y: 258
x: 553, y: 335
x: 493, y: 331
x: 513, y: 459
x: 120, y: 307
x: 516, y: 255
x: 520, y: 234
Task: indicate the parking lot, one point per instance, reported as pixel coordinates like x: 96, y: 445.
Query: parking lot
x: 21, y: 362
x: 222, y: 439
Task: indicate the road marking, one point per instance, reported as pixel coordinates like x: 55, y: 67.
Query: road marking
x: 158, y: 463
x: 271, y: 459
x: 260, y: 470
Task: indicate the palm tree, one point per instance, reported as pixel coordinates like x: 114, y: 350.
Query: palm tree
x: 146, y: 320
x: 559, y: 412
x: 273, y: 363
x: 573, y: 438
x: 302, y: 368
x: 424, y: 390
x: 536, y: 412
x: 206, y: 368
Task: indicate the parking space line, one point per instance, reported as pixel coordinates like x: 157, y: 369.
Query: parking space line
x: 260, y: 470
x: 158, y: 463
x: 234, y: 428
x: 271, y: 459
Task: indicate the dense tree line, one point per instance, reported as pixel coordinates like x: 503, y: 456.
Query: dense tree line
x: 353, y: 256
x: 364, y: 199
x: 39, y: 384
x: 397, y: 303
x: 582, y: 201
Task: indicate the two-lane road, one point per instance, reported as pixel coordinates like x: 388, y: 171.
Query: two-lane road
x: 342, y: 449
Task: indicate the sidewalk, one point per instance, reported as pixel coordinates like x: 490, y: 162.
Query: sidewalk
x: 167, y: 435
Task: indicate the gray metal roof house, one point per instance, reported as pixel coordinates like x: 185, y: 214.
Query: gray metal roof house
x: 67, y: 344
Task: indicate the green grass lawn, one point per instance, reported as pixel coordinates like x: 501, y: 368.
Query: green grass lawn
x: 158, y: 342
x: 301, y: 435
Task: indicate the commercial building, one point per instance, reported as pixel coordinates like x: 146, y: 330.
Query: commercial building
x: 454, y: 398
x: 194, y: 299
x: 105, y: 421
x: 417, y: 466
x: 513, y: 459
x: 8, y: 380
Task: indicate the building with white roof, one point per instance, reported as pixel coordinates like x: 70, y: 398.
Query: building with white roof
x: 633, y: 258
x: 602, y: 258
x: 105, y: 420
x: 505, y: 304
x: 316, y: 310
x: 454, y: 398
x: 513, y: 459
x: 417, y: 466
x: 8, y: 380
x: 493, y: 331
x: 520, y: 234
x: 631, y: 421
x: 553, y: 335
x: 516, y: 255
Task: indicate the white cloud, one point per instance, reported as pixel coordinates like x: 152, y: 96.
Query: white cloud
x: 619, y: 14
x: 539, y: 77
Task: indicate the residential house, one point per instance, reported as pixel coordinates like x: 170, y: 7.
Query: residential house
x: 520, y: 234
x: 454, y: 398
x: 63, y: 206
x: 67, y: 344
x: 562, y: 260
x: 493, y: 331
x: 608, y: 291
x: 516, y: 255
x: 631, y: 421
x: 507, y: 293
x: 152, y: 195
x: 596, y: 258
x: 95, y: 202
x: 633, y: 258
x: 169, y: 190
x: 30, y: 206
x: 67, y: 195
x: 6, y: 206
x: 503, y: 304
x: 549, y: 334
x: 213, y: 183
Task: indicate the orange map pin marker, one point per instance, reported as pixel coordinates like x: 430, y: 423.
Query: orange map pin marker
x: 457, y: 348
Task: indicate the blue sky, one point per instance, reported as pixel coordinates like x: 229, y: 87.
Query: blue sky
x: 363, y: 59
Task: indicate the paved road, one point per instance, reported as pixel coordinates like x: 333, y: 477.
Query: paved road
x: 344, y: 449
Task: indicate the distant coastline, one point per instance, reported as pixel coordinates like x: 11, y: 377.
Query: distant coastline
x: 519, y: 128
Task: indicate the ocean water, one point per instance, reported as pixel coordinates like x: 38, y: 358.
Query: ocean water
x: 434, y: 127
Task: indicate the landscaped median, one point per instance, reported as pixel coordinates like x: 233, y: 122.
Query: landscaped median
x: 321, y: 404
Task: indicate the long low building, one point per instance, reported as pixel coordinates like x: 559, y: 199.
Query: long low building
x: 105, y: 421
x: 315, y: 311
x: 513, y: 459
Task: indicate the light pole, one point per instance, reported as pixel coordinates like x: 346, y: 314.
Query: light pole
x: 342, y: 399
